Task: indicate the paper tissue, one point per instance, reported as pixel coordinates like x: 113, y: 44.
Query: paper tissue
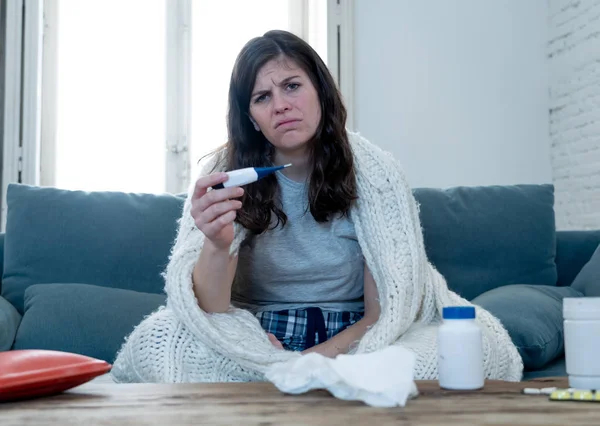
x: 382, y: 378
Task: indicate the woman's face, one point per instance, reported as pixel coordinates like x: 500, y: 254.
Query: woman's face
x: 285, y: 105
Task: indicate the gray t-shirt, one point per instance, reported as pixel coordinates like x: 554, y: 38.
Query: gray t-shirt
x: 303, y: 264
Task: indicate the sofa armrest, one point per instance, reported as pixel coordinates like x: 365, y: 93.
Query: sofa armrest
x: 9, y: 323
x: 573, y: 250
x: 1, y: 259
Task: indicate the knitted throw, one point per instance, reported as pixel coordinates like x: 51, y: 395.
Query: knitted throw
x: 181, y: 343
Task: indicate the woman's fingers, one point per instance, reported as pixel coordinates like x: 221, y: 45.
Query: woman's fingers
x: 219, y: 195
x: 218, y: 209
x: 215, y: 203
x: 213, y: 228
x: 205, y: 182
x: 213, y: 210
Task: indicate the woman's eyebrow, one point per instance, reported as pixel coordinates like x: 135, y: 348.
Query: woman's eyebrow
x: 281, y: 83
x: 287, y: 79
x: 259, y: 92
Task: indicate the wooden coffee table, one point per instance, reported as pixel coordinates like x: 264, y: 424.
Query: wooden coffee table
x: 500, y: 403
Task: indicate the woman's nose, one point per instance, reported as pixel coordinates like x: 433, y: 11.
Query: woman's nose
x: 281, y: 104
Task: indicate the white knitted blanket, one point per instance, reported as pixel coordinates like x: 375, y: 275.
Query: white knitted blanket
x: 181, y: 343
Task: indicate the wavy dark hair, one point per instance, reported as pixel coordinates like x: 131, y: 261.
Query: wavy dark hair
x: 332, y: 186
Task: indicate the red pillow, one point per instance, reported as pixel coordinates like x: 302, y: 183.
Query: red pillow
x: 30, y: 373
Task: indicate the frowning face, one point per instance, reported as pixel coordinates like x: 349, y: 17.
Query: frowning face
x: 285, y: 105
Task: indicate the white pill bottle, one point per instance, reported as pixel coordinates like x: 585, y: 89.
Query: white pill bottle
x: 460, y: 350
x: 582, y: 341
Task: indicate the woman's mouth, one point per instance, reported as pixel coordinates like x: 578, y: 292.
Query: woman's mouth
x: 285, y: 123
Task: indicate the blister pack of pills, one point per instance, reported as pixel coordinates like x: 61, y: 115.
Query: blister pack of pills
x: 575, y: 395
x: 570, y: 394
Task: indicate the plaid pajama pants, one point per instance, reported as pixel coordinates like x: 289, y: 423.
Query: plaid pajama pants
x: 300, y: 329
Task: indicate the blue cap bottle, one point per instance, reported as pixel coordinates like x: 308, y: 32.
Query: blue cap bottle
x: 460, y: 349
x: 459, y: 312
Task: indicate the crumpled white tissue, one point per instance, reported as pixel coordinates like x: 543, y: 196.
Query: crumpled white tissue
x: 382, y: 378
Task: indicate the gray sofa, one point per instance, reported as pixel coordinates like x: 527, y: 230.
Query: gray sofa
x: 81, y: 269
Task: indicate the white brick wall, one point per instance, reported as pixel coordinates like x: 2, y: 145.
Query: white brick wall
x: 574, y: 55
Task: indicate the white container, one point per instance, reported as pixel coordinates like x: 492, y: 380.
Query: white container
x: 460, y: 350
x: 582, y: 341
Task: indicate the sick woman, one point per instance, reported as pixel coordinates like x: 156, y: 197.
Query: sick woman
x: 325, y: 256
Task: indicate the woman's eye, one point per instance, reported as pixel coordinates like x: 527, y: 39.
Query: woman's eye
x: 293, y: 86
x: 260, y: 99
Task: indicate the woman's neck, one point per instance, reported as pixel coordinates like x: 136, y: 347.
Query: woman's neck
x: 301, y: 168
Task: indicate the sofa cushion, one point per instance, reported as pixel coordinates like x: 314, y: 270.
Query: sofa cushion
x: 573, y: 250
x: 556, y: 368
x: 80, y: 318
x: 9, y: 322
x: 532, y: 315
x: 480, y: 238
x: 115, y: 239
x: 1, y: 257
x: 588, y: 279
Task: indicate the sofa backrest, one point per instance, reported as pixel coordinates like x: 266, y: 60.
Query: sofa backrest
x: 479, y: 238
x: 110, y: 239
x: 484, y: 237
x: 573, y: 250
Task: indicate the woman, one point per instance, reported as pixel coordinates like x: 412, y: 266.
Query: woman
x: 326, y: 256
x: 291, y: 114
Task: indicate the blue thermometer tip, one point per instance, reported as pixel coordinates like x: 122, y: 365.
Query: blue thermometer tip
x: 265, y: 171
x: 261, y: 172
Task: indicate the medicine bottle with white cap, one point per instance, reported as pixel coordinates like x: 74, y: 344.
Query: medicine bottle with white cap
x: 460, y: 350
x: 582, y: 341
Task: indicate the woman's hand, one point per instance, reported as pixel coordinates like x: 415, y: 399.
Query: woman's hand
x: 214, y: 211
x: 340, y: 343
x: 274, y: 341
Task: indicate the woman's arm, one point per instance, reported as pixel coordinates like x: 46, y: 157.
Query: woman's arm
x: 340, y: 343
x: 213, y: 276
x: 214, y: 213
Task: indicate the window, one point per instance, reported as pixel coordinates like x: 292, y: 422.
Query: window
x: 217, y: 37
x: 111, y: 120
x: 110, y: 113
x: 127, y: 95
x: 215, y: 47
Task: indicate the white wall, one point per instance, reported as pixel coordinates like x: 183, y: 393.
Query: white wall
x: 574, y: 51
x: 456, y: 90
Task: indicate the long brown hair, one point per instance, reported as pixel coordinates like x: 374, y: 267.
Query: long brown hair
x: 332, y: 186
